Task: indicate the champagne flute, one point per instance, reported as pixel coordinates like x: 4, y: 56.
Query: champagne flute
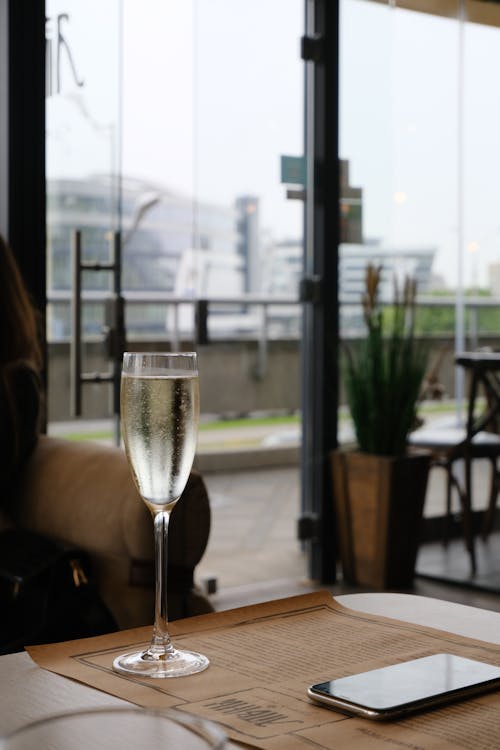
x: 159, y: 416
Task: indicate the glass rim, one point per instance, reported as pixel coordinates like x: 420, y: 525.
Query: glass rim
x: 142, y: 361
x: 161, y: 354
x: 206, y: 730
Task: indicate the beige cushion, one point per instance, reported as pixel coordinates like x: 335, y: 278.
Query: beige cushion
x: 83, y: 494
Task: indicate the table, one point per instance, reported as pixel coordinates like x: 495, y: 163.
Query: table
x: 28, y: 692
x: 484, y: 368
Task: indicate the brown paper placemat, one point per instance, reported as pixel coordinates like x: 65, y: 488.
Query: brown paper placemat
x: 263, y: 658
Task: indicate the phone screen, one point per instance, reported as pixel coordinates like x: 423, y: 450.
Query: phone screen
x: 408, y: 685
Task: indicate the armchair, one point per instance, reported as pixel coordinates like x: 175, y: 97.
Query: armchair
x: 83, y: 494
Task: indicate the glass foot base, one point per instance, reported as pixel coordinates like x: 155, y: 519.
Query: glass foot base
x: 173, y: 663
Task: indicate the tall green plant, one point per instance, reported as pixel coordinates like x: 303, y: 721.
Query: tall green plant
x: 384, y: 371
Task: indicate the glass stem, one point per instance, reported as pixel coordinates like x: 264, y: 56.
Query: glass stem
x: 161, y: 645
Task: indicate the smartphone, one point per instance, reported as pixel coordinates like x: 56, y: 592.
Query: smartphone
x: 395, y: 691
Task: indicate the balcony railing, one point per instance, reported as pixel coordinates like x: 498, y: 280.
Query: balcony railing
x: 256, y: 316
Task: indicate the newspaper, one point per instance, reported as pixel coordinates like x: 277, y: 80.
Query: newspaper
x: 263, y: 658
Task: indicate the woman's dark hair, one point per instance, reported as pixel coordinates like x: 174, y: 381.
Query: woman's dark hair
x: 19, y: 334
x: 20, y: 357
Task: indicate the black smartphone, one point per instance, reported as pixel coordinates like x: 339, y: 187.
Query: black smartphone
x: 395, y: 691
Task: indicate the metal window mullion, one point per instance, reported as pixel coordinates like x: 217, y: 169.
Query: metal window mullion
x: 320, y: 339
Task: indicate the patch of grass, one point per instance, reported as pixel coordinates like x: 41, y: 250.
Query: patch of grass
x: 219, y: 424
x: 76, y: 436
x: 443, y: 407
x: 222, y: 424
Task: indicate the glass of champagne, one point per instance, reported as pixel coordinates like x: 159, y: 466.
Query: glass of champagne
x: 159, y: 416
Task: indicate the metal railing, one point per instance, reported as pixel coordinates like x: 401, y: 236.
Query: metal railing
x: 210, y: 322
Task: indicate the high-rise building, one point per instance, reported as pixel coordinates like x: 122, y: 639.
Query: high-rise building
x: 247, y: 207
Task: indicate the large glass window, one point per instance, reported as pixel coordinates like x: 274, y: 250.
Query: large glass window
x: 83, y: 181
x: 419, y: 163
x: 171, y: 122
x: 417, y: 142
x: 399, y: 140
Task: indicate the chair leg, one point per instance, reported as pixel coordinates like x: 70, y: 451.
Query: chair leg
x: 447, y: 517
x: 466, y: 520
x: 489, y: 514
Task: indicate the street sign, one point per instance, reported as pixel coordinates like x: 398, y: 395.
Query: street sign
x: 293, y: 170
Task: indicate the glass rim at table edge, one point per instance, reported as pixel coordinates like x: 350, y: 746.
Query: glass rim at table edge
x: 189, y: 721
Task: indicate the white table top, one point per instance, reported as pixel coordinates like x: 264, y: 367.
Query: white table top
x: 28, y: 692
x: 471, y: 622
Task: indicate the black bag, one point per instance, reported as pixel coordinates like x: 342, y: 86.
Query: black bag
x: 47, y: 593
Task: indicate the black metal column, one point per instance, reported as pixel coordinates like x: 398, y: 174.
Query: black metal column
x: 26, y: 228
x: 320, y: 286
x: 22, y: 143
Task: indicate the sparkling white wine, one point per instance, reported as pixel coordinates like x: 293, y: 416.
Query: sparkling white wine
x: 159, y: 426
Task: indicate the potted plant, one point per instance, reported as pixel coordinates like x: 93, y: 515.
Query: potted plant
x: 380, y: 487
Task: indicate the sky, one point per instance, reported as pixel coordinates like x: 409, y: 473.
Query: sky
x: 222, y: 87
x: 211, y: 94
x: 419, y: 125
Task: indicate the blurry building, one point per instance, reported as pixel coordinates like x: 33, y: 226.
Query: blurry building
x: 395, y: 262
x: 494, y: 279
x: 351, y: 207
x: 249, y: 241
x: 170, y: 244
